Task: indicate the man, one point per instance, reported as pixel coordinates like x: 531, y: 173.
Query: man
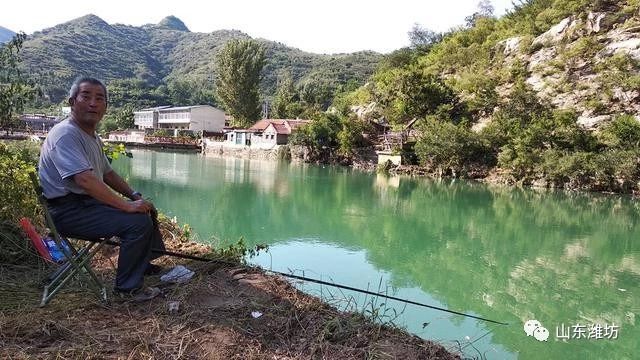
x: 79, y: 185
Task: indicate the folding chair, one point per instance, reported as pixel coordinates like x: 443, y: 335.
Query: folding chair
x: 76, y: 262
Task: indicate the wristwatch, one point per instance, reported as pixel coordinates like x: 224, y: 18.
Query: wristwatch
x: 136, y: 193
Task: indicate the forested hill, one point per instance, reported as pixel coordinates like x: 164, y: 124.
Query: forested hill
x: 159, y: 53
x: 547, y: 94
x: 5, y: 34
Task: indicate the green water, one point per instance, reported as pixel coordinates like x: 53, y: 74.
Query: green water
x: 506, y: 254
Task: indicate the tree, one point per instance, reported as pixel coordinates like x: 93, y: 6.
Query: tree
x: 239, y: 65
x: 423, y: 39
x: 406, y: 93
x: 15, y: 90
x: 445, y: 145
x: 124, y: 117
x: 485, y: 10
x: 133, y: 92
x: 285, y: 97
x: 117, y: 119
x: 316, y: 92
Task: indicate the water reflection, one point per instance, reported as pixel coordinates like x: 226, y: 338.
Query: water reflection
x: 507, y: 254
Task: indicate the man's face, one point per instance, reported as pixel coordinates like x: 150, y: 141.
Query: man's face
x: 89, y: 106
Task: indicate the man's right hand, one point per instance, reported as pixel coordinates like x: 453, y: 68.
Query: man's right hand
x: 140, y: 206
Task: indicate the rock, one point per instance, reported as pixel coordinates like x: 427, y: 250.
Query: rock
x: 622, y: 42
x: 481, y: 124
x: 539, y: 183
x: 363, y: 112
x: 591, y: 123
x: 571, y: 100
x: 593, y: 22
x: 554, y: 34
x: 536, y: 82
x: 625, y: 96
x: 510, y: 45
x: 540, y: 57
x: 630, y: 46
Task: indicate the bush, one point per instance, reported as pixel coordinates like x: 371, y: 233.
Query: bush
x: 524, y: 154
x: 446, y: 146
x: 17, y: 198
x: 350, y: 136
x: 622, y: 133
x: 320, y: 136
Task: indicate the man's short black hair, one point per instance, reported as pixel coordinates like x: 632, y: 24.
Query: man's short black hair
x: 75, y: 87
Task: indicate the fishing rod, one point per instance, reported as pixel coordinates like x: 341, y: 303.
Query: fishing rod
x: 384, y: 296
x: 304, y: 278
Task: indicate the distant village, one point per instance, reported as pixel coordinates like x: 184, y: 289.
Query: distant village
x: 203, y: 128
x: 198, y: 126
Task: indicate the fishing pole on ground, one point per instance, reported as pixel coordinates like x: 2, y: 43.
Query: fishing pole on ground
x: 304, y: 278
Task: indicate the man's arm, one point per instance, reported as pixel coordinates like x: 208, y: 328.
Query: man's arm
x: 97, y: 189
x: 117, y: 183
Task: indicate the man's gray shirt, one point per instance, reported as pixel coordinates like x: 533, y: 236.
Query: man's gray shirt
x: 68, y: 151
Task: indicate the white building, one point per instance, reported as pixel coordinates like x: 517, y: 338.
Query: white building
x: 198, y: 117
x: 269, y: 133
x: 131, y: 136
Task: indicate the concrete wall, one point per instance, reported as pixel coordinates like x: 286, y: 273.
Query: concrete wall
x: 384, y: 156
x: 207, y: 118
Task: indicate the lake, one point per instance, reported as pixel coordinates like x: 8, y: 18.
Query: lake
x: 571, y: 261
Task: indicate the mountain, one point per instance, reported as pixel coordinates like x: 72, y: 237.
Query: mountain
x: 5, y: 35
x: 575, y: 55
x: 571, y: 55
x: 157, y: 53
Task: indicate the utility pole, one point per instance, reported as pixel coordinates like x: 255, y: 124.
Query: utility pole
x: 265, y: 109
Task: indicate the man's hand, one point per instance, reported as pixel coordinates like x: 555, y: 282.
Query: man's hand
x: 141, y: 206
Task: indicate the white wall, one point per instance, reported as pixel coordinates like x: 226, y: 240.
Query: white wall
x: 143, y: 119
x: 207, y: 118
x: 265, y: 140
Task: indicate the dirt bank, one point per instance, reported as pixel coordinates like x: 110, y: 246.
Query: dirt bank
x: 209, y: 317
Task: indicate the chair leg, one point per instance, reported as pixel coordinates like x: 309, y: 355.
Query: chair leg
x: 75, y: 265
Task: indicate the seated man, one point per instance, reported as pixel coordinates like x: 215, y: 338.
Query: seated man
x: 79, y: 185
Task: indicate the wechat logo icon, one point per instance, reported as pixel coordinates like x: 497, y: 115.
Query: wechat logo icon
x: 534, y: 328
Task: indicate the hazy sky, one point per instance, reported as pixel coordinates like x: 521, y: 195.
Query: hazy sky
x: 320, y: 26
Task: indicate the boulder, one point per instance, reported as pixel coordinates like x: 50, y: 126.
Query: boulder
x: 591, y: 123
x: 540, y: 57
x: 510, y: 46
x: 625, y: 41
x: 555, y: 34
x: 593, y: 22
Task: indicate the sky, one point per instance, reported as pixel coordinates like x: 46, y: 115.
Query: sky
x: 318, y: 26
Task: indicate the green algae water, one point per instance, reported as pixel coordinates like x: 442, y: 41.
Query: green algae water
x: 569, y: 261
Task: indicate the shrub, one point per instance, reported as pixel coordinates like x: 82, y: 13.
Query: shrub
x: 622, y: 133
x: 446, y: 146
x: 17, y: 198
x: 350, y: 136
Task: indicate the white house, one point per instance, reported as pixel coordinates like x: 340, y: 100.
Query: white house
x: 237, y: 138
x: 198, y: 117
x: 268, y: 133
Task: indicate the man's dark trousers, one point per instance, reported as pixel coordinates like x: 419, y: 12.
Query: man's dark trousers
x: 83, y: 217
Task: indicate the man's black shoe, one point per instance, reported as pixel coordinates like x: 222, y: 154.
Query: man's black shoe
x: 152, y: 269
x: 138, y: 295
